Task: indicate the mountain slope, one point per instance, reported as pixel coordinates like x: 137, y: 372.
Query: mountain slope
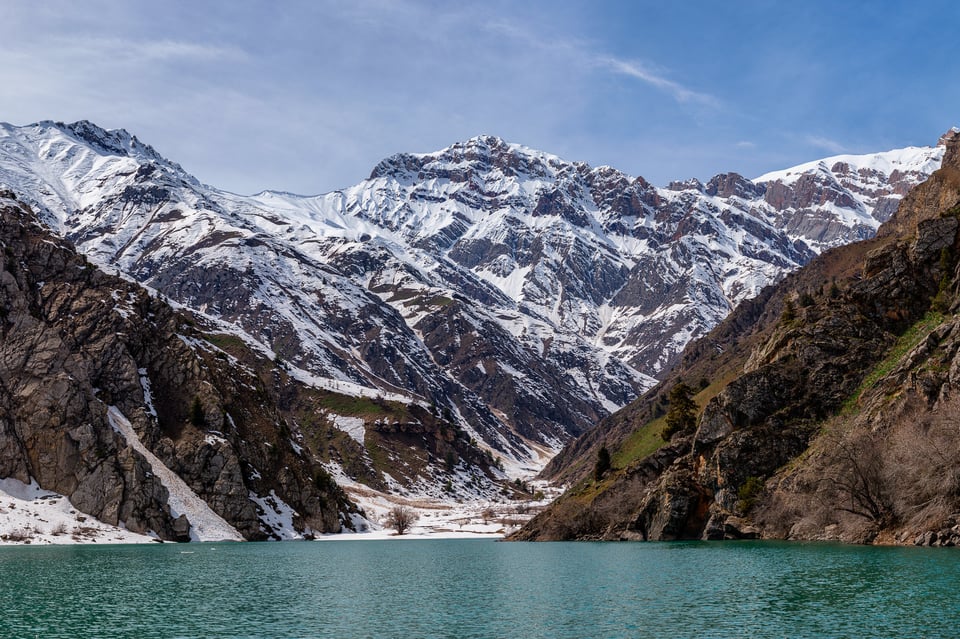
x: 825, y: 410
x: 522, y: 295
x: 111, y: 398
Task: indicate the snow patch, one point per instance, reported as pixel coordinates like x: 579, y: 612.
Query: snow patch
x: 438, y: 518
x: 353, y: 426
x: 276, y: 516
x: 351, y: 389
x: 147, y: 395
x: 213, y: 438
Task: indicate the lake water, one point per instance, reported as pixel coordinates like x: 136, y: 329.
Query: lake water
x: 478, y: 588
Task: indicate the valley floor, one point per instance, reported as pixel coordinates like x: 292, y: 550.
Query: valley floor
x: 446, y: 519
x: 31, y: 515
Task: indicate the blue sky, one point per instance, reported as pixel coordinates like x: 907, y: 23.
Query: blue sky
x: 309, y: 96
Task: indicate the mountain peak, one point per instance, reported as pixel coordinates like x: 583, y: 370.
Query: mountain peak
x: 692, y: 184
x: 951, y: 134
x: 951, y: 143
x: 110, y: 142
x: 728, y: 184
x: 485, y: 141
x: 481, y: 153
x: 492, y: 149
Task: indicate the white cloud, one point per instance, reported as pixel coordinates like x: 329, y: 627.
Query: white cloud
x: 828, y: 145
x: 176, y: 50
x: 80, y: 50
x: 640, y: 71
x: 583, y: 53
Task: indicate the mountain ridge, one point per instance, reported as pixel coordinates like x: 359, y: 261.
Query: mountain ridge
x: 526, y: 295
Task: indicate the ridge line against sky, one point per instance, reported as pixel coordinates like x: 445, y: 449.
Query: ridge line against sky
x: 308, y: 96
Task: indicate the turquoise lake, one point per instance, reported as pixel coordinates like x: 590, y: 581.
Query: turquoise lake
x: 478, y: 588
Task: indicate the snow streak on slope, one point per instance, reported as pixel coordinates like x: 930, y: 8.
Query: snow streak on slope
x: 205, y: 525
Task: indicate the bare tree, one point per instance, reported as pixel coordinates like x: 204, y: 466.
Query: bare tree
x: 400, y: 518
x: 860, y: 477
x: 926, y: 457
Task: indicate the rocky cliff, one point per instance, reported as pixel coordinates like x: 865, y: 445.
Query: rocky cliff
x: 110, y: 397
x: 823, y: 408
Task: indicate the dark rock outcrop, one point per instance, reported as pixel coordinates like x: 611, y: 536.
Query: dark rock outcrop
x: 75, y: 341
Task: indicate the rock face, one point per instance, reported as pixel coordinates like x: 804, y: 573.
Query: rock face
x: 834, y: 423
x: 74, y: 342
x: 526, y: 295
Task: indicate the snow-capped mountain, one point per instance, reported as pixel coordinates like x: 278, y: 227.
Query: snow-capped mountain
x: 524, y: 295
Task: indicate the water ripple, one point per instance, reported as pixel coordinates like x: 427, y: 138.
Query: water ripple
x: 478, y: 589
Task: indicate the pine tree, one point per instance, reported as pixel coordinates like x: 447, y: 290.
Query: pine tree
x: 789, y: 312
x: 682, y: 415
x: 603, y: 463
x: 197, y: 417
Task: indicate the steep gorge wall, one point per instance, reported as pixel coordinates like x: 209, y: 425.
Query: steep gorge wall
x: 75, y: 341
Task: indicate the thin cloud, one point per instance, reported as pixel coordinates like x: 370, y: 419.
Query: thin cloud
x: 831, y: 146
x: 745, y: 144
x: 583, y: 52
x: 173, y: 49
x: 156, y: 50
x: 640, y: 71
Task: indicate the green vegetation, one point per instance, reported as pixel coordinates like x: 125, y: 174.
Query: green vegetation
x: 904, y: 345
x: 378, y: 452
x: 682, y: 415
x: 603, y: 463
x: 647, y: 439
x: 325, y: 483
x: 789, y: 312
x: 351, y: 406
x: 941, y: 301
x: 643, y: 442
x: 748, y: 492
x: 952, y: 212
x: 225, y: 341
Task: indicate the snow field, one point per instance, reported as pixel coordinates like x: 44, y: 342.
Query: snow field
x: 31, y: 515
